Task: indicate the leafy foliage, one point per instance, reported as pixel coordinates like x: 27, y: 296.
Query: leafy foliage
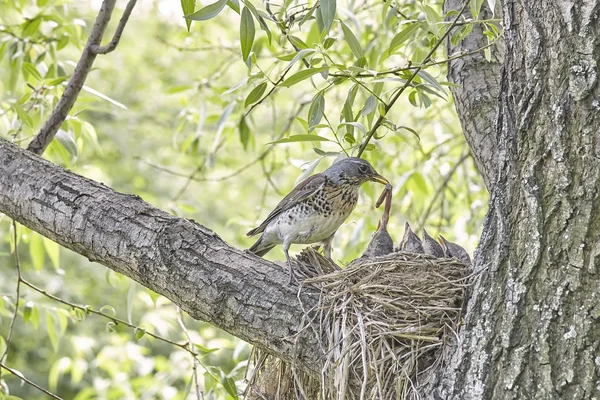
x: 251, y: 99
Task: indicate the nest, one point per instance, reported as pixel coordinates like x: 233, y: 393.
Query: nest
x: 383, y: 325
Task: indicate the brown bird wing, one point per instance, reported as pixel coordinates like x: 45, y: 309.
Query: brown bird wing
x: 305, y: 190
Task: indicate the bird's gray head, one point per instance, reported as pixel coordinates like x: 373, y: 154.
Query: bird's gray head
x: 353, y: 171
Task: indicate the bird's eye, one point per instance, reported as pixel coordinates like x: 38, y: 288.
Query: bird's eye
x: 363, y: 168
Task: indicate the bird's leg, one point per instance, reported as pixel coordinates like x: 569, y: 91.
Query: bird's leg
x: 327, y: 250
x: 286, y: 247
x: 327, y: 247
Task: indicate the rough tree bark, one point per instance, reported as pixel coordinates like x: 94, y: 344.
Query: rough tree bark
x: 476, y: 96
x: 532, y: 328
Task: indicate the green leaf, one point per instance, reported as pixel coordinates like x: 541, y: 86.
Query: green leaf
x: 229, y: 385
x: 297, y: 42
x: 23, y: 116
x: 2, y: 345
x: 347, y: 112
x: 244, y: 133
x: 327, y: 13
x: 234, y: 5
x: 417, y: 180
x: 104, y: 97
x: 31, y: 70
x: 301, y: 138
x: 303, y: 123
x: 139, y: 333
x: 476, y: 8
x: 108, y: 310
x: 412, y: 98
x: 52, y: 330
x: 67, y: 141
x: 326, y: 153
x: 78, y: 314
x: 302, y: 75
x: 287, y: 57
x: 307, y: 171
x: 247, y: 32
x: 370, y: 147
x: 410, y: 130
x: 353, y: 124
x: 57, y: 370
x: 205, y: 350
x: 370, y: 105
x: 36, y: 251
x: 27, y: 312
x: 461, y: 33
x: 352, y: 42
x: 316, y: 110
x: 255, y: 94
x: 111, y: 327
x: 328, y: 42
x: 130, y: 301
x: 299, y: 55
x: 208, y: 12
x: 425, y: 100
x: 426, y: 76
x: 188, y: 6
x: 32, y: 314
x: 53, y: 252
x: 402, y: 37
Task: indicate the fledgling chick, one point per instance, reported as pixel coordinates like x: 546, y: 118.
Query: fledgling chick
x: 381, y: 243
x: 453, y: 250
x: 410, y: 241
x: 431, y: 247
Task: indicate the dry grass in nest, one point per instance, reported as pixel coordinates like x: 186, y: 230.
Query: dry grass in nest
x: 383, y: 323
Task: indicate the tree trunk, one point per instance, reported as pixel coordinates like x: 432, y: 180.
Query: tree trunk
x: 532, y: 328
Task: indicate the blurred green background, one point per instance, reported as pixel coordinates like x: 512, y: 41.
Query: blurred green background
x: 159, y: 117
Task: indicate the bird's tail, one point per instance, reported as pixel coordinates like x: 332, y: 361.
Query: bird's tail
x: 260, y: 249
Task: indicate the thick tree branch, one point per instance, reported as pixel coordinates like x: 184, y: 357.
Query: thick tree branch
x: 476, y: 96
x: 69, y: 96
x: 238, y: 292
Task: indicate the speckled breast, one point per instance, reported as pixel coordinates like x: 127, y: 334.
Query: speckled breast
x: 319, y: 217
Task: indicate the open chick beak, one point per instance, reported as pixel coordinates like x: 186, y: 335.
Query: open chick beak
x: 380, y: 179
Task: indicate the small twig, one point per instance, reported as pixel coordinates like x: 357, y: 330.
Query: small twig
x: 192, y: 49
x: 90, y: 310
x: 18, y: 296
x: 41, y: 141
x: 396, y: 70
x: 97, y: 49
x: 27, y: 381
x: 199, y: 393
x: 396, y: 96
x: 189, y: 180
x: 441, y: 188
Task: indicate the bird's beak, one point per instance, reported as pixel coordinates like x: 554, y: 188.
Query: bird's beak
x: 380, y: 179
x: 442, y: 241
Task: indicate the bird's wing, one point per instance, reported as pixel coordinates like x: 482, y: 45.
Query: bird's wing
x: 305, y: 190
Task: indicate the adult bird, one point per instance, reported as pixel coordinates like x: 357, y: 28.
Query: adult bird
x: 314, y: 210
x: 453, y: 250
